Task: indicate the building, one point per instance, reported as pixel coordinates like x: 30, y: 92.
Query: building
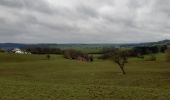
x: 19, y: 51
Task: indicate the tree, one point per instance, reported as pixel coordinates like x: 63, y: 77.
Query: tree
x: 91, y: 58
x: 120, y: 57
x: 48, y: 57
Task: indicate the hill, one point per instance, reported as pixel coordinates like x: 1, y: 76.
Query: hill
x: 53, y: 45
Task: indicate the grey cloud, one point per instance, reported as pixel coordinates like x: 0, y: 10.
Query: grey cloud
x: 97, y: 21
x: 87, y: 11
x: 11, y: 3
x: 35, y: 5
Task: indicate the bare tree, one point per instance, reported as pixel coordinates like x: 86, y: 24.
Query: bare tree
x: 120, y: 57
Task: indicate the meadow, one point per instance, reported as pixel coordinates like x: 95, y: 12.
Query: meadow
x: 33, y: 77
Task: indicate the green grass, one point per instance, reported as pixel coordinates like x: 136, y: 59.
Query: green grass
x: 32, y: 77
x: 5, y: 58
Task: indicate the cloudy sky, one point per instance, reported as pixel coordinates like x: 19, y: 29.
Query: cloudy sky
x: 84, y: 21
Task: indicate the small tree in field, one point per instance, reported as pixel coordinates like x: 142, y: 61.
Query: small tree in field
x: 48, y: 56
x: 120, y: 57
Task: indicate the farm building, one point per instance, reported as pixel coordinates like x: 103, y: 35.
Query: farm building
x: 19, y: 51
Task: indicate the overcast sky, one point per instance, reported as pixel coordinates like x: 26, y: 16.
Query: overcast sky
x: 84, y: 21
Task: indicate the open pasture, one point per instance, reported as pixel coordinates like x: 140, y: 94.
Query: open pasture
x: 33, y: 77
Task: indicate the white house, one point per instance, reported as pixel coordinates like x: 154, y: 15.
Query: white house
x: 19, y: 51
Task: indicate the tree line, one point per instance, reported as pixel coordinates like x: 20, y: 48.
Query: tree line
x: 144, y: 50
x: 44, y: 50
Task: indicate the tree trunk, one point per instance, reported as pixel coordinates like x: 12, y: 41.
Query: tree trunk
x: 122, y: 69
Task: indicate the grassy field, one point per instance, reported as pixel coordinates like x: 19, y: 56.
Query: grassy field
x: 32, y: 77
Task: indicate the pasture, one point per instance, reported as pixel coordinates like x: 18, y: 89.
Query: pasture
x: 33, y: 77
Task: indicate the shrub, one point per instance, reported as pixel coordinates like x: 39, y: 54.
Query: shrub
x: 140, y: 56
x: 77, y: 55
x: 151, y: 57
x: 1, y: 50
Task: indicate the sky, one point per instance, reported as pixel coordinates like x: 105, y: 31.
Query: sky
x: 84, y: 21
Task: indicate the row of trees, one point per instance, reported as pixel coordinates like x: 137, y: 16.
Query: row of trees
x: 136, y: 51
x: 44, y: 50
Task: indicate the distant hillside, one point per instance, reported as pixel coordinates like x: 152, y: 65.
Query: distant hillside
x: 163, y: 42
x: 20, y: 45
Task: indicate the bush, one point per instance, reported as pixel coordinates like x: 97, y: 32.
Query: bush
x: 151, y: 57
x: 1, y: 50
x: 77, y: 55
x: 140, y: 56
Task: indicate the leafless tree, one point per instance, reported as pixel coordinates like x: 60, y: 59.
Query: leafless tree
x: 120, y: 57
